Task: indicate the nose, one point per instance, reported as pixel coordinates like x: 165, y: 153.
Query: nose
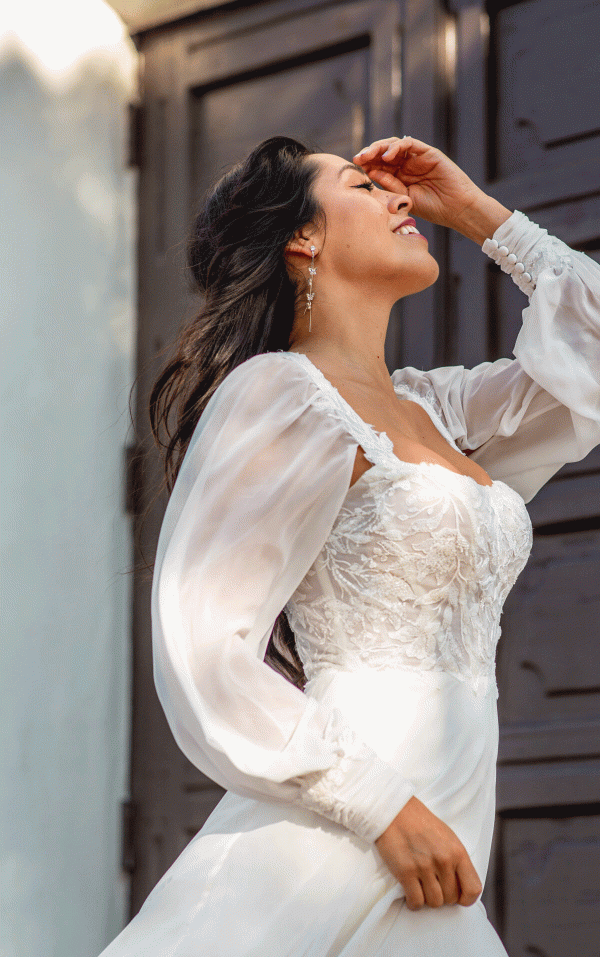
x: 398, y: 201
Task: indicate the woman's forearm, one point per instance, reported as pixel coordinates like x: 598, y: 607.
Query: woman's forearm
x: 481, y: 220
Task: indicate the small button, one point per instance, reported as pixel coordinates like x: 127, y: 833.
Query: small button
x: 494, y: 243
x: 527, y: 276
x: 503, y: 250
x: 511, y: 258
x: 519, y: 267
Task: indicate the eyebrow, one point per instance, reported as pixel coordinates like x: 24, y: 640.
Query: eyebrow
x: 352, y: 166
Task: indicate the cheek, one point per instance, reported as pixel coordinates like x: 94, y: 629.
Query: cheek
x: 356, y: 231
x: 361, y: 229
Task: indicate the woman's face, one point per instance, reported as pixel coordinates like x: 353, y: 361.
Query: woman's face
x: 359, y: 244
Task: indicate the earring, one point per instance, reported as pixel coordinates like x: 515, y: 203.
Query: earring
x: 312, y: 272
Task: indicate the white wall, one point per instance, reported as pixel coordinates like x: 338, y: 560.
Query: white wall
x: 67, y: 312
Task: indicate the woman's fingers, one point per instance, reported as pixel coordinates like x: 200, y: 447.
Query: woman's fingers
x: 388, y: 150
x: 428, y: 859
x: 394, y: 149
x: 413, y: 891
x: 446, y: 875
x: 470, y: 885
x: 386, y: 180
x: 432, y: 891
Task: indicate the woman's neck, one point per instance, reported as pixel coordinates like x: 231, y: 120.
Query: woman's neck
x: 346, y: 338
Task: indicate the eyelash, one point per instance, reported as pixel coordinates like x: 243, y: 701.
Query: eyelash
x: 368, y: 186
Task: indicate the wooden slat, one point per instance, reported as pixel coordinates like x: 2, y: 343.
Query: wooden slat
x: 421, y: 115
x: 551, y: 880
x: 529, y: 191
x: 537, y: 742
x: 567, y: 500
x: 522, y: 786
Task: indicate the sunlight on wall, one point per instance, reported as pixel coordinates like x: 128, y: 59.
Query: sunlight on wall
x: 59, y: 35
x: 67, y: 321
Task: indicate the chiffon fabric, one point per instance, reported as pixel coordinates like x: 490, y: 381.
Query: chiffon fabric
x: 394, y: 589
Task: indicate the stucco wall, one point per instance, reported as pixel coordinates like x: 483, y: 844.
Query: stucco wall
x: 67, y: 312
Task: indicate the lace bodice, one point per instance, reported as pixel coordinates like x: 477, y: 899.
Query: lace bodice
x: 417, y: 566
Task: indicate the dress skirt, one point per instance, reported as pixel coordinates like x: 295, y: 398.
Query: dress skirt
x: 271, y: 879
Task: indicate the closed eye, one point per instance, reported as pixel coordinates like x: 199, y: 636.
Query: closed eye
x: 368, y: 186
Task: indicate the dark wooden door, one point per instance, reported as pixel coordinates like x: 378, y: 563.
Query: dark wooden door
x: 481, y: 82
x: 527, y: 128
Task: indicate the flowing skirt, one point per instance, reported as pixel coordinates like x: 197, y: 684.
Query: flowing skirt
x: 269, y: 879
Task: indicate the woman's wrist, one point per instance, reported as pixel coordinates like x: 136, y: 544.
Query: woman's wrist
x: 481, y: 219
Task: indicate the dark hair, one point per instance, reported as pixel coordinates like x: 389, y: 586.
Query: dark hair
x: 236, y: 257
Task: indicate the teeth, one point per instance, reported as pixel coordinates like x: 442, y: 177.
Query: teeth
x: 406, y: 230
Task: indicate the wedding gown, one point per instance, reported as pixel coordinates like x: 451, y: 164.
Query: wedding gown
x: 393, y: 588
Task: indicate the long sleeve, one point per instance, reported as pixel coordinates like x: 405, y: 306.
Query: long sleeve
x: 524, y: 418
x: 258, y: 492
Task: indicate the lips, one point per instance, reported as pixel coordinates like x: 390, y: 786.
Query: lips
x: 407, y: 227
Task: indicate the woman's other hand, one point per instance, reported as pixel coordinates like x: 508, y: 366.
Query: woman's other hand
x: 427, y: 858
x: 438, y: 188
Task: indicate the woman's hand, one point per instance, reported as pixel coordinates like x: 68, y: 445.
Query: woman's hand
x: 440, y: 192
x: 428, y: 859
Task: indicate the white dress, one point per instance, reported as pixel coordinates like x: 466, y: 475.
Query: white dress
x: 394, y: 589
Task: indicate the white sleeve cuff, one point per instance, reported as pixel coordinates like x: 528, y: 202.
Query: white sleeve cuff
x: 522, y: 249
x: 360, y: 791
x: 510, y: 247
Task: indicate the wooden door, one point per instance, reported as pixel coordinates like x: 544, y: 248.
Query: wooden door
x: 214, y: 87
x: 527, y: 128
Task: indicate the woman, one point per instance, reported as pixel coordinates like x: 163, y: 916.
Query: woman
x: 313, y: 488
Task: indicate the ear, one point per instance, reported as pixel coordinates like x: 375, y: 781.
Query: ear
x: 300, y: 244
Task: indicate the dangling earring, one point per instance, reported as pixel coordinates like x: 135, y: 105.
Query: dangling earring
x: 312, y: 272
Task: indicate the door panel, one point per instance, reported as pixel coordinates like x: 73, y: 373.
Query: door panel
x: 547, y: 64
x: 328, y: 105
x: 552, y: 880
x: 549, y: 653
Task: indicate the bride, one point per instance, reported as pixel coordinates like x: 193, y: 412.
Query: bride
x: 336, y: 551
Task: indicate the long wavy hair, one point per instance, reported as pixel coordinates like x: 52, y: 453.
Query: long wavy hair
x: 236, y: 260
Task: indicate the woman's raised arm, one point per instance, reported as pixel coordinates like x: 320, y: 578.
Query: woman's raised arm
x: 524, y: 418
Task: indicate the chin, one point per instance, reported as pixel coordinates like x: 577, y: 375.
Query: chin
x: 424, y: 280
x: 435, y: 271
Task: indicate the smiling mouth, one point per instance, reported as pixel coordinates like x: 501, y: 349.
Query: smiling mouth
x: 407, y: 230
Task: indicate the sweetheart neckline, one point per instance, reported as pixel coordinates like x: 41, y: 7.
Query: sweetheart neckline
x: 322, y: 378
x: 418, y: 466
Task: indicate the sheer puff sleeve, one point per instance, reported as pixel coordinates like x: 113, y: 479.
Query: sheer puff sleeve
x: 256, y: 497
x: 526, y: 417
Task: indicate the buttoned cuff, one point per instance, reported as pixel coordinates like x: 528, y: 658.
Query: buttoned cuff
x: 512, y: 247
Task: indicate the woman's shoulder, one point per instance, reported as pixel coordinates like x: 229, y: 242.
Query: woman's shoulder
x: 263, y: 367
x: 266, y: 384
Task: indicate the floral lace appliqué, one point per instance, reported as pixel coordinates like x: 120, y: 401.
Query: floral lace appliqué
x: 414, y: 575
x: 416, y: 568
